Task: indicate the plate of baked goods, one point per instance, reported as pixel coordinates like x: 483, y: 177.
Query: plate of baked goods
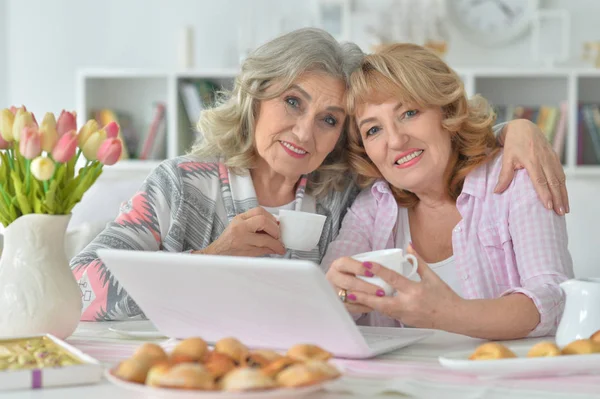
x: 544, y: 359
x: 228, y: 370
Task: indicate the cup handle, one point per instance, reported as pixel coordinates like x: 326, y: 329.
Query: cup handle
x: 415, y: 264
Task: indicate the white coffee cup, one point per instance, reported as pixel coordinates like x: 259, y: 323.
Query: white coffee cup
x: 393, y: 259
x: 300, y: 231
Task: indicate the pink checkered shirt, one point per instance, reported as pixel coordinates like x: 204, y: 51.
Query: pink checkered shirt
x: 505, y: 243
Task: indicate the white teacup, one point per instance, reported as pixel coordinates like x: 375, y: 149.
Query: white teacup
x: 393, y: 259
x: 300, y: 231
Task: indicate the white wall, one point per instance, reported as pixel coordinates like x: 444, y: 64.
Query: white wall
x: 3, y: 54
x: 50, y: 40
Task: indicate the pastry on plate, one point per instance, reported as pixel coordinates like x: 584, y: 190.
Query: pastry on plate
x: 190, y: 348
x: 307, y: 373
x: 157, y: 372
x: 278, y: 366
x: 152, y: 352
x: 581, y: 347
x: 256, y: 360
x: 492, y: 350
x: 233, y: 348
x: 544, y: 349
x: 188, y: 376
x: 596, y: 336
x: 218, y: 364
x: 246, y: 379
x: 133, y: 370
x: 305, y: 352
x: 268, y: 354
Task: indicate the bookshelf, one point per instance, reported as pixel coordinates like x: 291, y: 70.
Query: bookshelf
x: 137, y: 90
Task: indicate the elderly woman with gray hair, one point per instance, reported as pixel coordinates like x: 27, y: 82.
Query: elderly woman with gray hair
x: 277, y: 141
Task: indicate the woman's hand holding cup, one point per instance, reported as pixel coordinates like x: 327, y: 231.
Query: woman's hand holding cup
x: 252, y: 233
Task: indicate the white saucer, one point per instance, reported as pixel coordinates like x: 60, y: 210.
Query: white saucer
x: 136, y: 329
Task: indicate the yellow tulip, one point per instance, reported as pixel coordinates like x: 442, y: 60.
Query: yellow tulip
x: 6, y: 124
x: 42, y: 168
x: 86, y: 131
x: 90, y: 148
x: 23, y: 119
x: 48, y: 133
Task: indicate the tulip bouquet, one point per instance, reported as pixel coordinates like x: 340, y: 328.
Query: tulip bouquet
x: 38, y: 161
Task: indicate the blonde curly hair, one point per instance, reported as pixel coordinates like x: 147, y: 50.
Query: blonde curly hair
x: 416, y: 76
x: 227, y: 129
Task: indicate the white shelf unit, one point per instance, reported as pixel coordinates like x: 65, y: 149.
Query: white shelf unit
x: 135, y: 90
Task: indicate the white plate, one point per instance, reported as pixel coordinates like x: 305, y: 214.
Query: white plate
x: 148, y: 391
x: 136, y: 329
x: 522, y: 366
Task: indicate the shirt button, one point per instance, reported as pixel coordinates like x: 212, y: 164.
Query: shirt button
x: 465, y: 277
x: 457, y: 230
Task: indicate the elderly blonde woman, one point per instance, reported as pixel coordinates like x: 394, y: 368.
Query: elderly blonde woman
x: 277, y: 141
x: 489, y: 265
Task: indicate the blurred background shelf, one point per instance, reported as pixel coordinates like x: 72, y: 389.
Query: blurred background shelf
x: 138, y: 95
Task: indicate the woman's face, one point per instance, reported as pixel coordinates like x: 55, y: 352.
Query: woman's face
x: 295, y: 131
x: 408, y: 145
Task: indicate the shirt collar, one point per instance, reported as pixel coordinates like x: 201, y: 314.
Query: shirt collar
x: 380, y: 189
x: 476, y: 182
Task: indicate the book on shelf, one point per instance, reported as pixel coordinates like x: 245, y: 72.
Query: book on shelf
x: 154, y: 144
x: 588, y: 134
x: 196, y: 95
x: 551, y: 119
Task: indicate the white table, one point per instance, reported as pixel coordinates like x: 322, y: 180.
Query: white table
x: 422, y: 355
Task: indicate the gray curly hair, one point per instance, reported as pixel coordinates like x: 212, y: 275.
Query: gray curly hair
x: 227, y: 129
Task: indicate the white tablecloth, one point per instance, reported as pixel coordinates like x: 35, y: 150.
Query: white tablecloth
x: 410, y: 372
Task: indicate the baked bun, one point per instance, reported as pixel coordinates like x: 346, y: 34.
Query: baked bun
x: 152, y: 352
x: 192, y: 348
x: 305, y: 352
x: 246, y: 379
x: 596, y: 336
x: 278, y: 366
x: 492, y: 350
x: 544, y: 349
x: 256, y: 360
x: 308, y: 373
x: 270, y: 355
x: 157, y: 372
x: 218, y: 364
x: 233, y: 348
x: 133, y: 370
x: 581, y: 347
x: 188, y: 376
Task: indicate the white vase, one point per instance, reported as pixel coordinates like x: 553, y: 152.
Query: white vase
x: 38, y: 292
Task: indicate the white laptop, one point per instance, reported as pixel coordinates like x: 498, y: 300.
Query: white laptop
x: 264, y: 302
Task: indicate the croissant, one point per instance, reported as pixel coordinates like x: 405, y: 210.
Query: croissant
x: 152, y: 352
x: 133, y: 369
x: 218, y: 364
x: 305, y: 352
x: 188, y: 376
x: 278, y: 366
x: 246, y: 379
x: 233, y: 348
x: 303, y: 374
x: 491, y: 350
x: 544, y: 349
x: 191, y: 348
x: 596, y: 336
x: 157, y: 372
x: 581, y: 347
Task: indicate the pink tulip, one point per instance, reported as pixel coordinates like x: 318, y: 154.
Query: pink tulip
x: 66, y: 122
x: 34, y: 120
x: 4, y: 144
x: 65, y: 149
x: 14, y: 109
x: 112, y: 130
x: 30, y: 145
x: 109, y: 151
